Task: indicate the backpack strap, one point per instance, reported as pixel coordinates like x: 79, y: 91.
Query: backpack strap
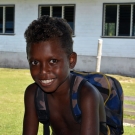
x: 46, y: 129
x: 41, y: 105
x: 75, y: 87
x: 77, y: 84
x: 104, y: 128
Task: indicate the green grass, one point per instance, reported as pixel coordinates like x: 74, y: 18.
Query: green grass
x: 127, y: 83
x: 129, y: 117
x: 13, y: 83
x: 12, y: 86
x: 129, y: 130
x: 129, y: 102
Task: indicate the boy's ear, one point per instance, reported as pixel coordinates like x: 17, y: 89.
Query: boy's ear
x: 72, y: 60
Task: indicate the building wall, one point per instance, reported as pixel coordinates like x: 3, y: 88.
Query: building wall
x: 118, y: 54
x: 114, y: 65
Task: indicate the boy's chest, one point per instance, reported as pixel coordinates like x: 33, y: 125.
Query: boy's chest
x: 62, y: 120
x: 61, y: 111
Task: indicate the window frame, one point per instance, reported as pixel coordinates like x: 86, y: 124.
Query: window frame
x: 55, y: 5
x: 4, y: 16
x: 117, y: 20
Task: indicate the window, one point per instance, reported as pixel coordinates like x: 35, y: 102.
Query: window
x: 62, y: 11
x: 6, y: 19
x: 119, y: 20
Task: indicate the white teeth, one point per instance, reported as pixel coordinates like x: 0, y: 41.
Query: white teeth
x: 46, y: 81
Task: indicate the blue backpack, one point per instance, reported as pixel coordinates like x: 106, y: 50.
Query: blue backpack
x: 112, y: 93
x: 109, y: 88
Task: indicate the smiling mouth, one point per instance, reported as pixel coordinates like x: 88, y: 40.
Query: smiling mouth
x: 47, y: 81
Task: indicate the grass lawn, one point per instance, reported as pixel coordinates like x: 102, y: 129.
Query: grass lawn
x: 13, y: 83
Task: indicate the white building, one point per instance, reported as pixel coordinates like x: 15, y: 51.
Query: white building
x: 112, y: 21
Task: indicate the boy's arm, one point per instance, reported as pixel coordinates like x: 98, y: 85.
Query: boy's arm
x: 30, y: 122
x: 90, y: 106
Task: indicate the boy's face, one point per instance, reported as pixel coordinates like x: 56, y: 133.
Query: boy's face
x: 49, y: 64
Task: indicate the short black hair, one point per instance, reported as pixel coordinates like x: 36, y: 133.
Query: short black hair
x: 46, y: 28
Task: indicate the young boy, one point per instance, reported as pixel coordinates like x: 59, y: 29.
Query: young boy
x: 51, y: 57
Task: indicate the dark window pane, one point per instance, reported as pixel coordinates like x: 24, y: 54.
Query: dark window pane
x: 1, y: 19
x: 45, y: 11
x: 124, y: 20
x: 133, y: 32
x: 69, y: 16
x: 57, y: 12
x: 9, y: 20
x: 110, y: 20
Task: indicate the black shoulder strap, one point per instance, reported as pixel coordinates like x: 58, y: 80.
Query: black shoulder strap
x: 72, y: 82
x: 76, y: 85
x: 79, y: 89
x: 78, y: 99
x: 41, y: 105
x: 46, y: 129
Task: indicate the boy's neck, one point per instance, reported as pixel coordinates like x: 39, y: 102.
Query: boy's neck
x: 63, y: 90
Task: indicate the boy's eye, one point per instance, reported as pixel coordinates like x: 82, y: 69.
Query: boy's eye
x: 53, y: 61
x: 34, y: 62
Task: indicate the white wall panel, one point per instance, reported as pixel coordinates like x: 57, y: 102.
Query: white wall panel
x: 88, y: 29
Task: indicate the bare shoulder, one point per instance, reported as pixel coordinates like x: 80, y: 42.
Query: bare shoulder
x: 92, y: 101
x: 31, y: 89
x: 92, y: 95
x: 91, y: 105
x: 30, y: 122
x: 90, y: 92
x: 29, y: 95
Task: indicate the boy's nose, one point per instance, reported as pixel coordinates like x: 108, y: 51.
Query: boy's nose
x: 44, y: 68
